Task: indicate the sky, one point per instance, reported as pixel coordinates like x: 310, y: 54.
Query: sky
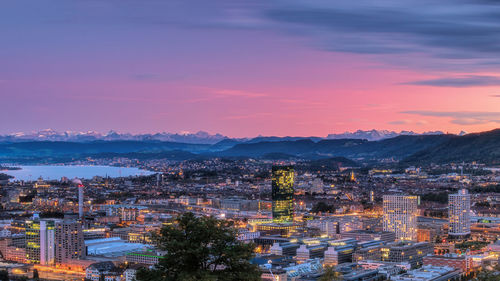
x: 248, y: 68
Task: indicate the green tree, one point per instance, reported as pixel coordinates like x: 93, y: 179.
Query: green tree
x: 4, y: 275
x: 329, y: 274
x: 489, y: 274
x: 36, y: 276
x: 201, y: 248
x: 322, y: 207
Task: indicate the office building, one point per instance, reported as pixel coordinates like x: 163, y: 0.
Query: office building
x: 410, y: 252
x: 429, y: 273
x: 400, y: 216
x: 69, y: 243
x: 282, y: 194
x: 459, y: 214
x: 369, y: 235
x: 463, y: 263
x: 40, y: 241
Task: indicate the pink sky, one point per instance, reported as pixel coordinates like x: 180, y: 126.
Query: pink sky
x: 96, y: 74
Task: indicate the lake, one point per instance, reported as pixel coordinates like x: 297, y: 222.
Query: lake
x: 48, y: 172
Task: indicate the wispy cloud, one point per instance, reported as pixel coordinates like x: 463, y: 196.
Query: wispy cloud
x: 460, y: 81
x: 407, y: 122
x: 461, y: 117
x: 238, y: 93
x: 460, y: 32
x: 400, y: 122
x: 211, y: 94
x: 247, y: 116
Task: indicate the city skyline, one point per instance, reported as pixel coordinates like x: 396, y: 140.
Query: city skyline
x: 244, y: 69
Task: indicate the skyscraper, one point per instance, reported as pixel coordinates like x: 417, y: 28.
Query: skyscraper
x: 40, y: 235
x: 79, y: 184
x: 459, y: 214
x: 400, y: 216
x: 69, y: 243
x: 282, y: 193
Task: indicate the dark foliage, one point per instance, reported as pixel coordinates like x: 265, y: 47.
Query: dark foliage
x: 201, y: 248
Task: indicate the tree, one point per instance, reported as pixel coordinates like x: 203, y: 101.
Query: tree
x: 201, y: 248
x: 36, y: 276
x: 329, y: 274
x: 322, y: 207
x: 489, y: 274
x: 4, y: 275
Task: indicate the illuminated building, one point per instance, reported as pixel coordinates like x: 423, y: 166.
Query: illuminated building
x: 400, y: 216
x: 369, y: 250
x: 459, y: 214
x: 285, y: 230
x: 40, y: 235
x: 282, y: 194
x: 69, y: 243
x: 79, y: 184
x: 429, y: 273
x: 410, y: 252
x: 145, y: 258
x: 464, y: 263
x: 370, y: 235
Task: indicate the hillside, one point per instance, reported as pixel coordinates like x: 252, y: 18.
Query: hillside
x: 483, y: 147
x: 54, y: 149
x: 397, y: 148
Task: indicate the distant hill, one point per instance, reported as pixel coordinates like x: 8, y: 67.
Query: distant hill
x: 398, y: 148
x: 55, y: 149
x: 482, y: 147
x: 375, y: 135
x: 409, y: 149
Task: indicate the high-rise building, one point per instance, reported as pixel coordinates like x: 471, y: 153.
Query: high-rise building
x: 459, y: 214
x: 79, y: 184
x: 400, y: 216
x: 40, y: 235
x: 69, y: 243
x: 282, y: 193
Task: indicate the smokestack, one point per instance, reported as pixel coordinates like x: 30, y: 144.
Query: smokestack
x: 80, y: 197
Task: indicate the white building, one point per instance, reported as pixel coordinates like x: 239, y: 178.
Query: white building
x: 429, y: 273
x: 47, y: 242
x: 459, y: 214
x: 400, y: 216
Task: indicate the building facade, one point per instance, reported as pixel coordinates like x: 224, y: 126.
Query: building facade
x: 282, y: 193
x: 69, y: 243
x: 40, y: 241
x: 400, y: 216
x: 459, y: 214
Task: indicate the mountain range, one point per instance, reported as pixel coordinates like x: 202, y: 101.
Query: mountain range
x: 407, y: 149
x: 200, y: 137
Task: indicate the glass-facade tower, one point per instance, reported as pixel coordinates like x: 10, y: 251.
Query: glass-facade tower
x: 282, y: 193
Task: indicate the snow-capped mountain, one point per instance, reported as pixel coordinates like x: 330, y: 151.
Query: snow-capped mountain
x: 52, y: 135
x: 375, y: 135
x: 200, y: 137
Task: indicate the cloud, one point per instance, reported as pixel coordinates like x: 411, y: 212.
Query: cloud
x: 400, y: 122
x: 216, y: 94
x: 461, y: 117
x: 460, y: 81
x: 459, y: 32
x: 238, y: 93
x: 247, y: 116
